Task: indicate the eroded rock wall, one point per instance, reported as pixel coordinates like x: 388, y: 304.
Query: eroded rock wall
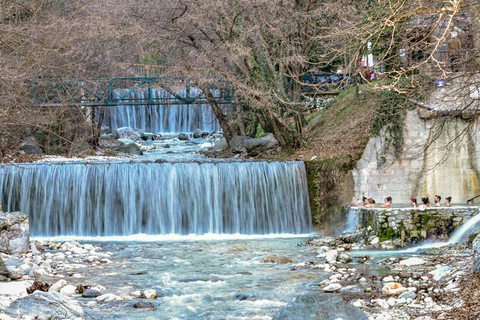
x: 448, y: 167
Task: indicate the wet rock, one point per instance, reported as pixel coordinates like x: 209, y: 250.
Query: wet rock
x: 319, y: 306
x: 14, y: 232
x: 128, y: 146
x: 91, y: 293
x: 148, y: 136
x: 149, y: 294
x: 136, y: 294
x: 183, y: 137
x: 57, y: 286
x: 331, y: 256
x: 144, y: 305
x: 128, y: 133
x: 276, y: 259
x: 333, y: 287
x: 46, y: 305
x: 412, y: 262
x: 197, y: 134
x: 108, y: 297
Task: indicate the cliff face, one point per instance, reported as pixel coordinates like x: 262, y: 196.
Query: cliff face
x: 448, y: 167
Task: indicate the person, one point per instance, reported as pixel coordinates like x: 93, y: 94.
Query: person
x: 437, y: 200
x: 413, y: 201
x: 388, y: 202
x: 469, y: 202
x: 448, y: 201
x: 370, y: 203
x: 360, y: 204
x: 425, y: 204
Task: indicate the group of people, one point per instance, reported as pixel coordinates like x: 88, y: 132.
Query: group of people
x: 437, y: 200
x: 388, y: 202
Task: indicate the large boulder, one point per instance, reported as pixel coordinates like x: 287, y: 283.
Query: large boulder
x: 30, y: 146
x: 255, y: 146
x: 128, y: 133
x: 128, y: 146
x: 319, y: 306
x: 46, y: 305
x: 14, y: 232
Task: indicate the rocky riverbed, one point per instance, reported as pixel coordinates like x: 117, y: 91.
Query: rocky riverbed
x: 437, y: 283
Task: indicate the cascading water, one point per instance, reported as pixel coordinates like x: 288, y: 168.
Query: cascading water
x: 161, y: 118
x: 168, y: 198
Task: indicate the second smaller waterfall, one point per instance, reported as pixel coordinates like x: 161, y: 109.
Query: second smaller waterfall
x: 168, y: 117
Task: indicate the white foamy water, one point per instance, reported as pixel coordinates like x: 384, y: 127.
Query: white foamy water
x: 175, y: 237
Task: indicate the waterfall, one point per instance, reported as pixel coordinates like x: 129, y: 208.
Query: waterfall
x: 465, y: 230
x: 352, y: 221
x: 168, y: 117
x: 102, y: 199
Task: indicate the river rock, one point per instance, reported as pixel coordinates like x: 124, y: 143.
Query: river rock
x: 128, y: 133
x: 183, y: 137
x: 129, y: 146
x: 144, y: 305
x: 108, y: 297
x: 68, y: 289
x: 344, y: 257
x: 351, y: 290
x: 15, y: 273
x: 254, y: 146
x: 197, y: 134
x: 46, y: 305
x: 349, y: 237
x: 319, y: 306
x: 331, y: 256
x: 31, y: 146
x: 150, y: 294
x: 276, y: 259
x: 91, y: 293
x: 440, y: 272
x: 14, y: 232
x: 393, y: 288
x: 333, y: 287
x: 57, y: 286
x: 408, y: 295
x: 412, y: 262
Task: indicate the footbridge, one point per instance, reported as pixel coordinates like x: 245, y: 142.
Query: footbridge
x: 120, y: 91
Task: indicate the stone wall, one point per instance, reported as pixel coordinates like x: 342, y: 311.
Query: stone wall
x: 413, y: 224
x: 449, y: 167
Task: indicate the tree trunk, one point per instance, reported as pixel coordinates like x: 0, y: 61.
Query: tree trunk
x: 218, y: 111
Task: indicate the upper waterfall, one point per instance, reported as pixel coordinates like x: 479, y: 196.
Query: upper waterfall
x: 168, y: 117
x: 169, y: 198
